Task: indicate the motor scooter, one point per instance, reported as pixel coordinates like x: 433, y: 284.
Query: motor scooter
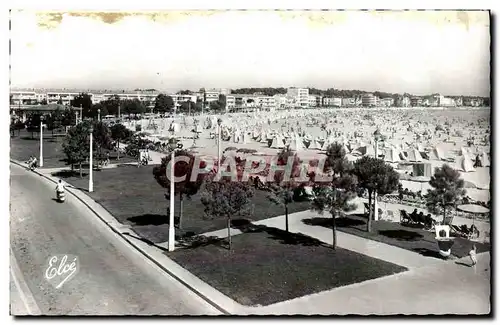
x: 61, y: 196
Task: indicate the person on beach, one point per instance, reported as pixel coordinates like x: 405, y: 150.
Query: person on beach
x: 472, y: 255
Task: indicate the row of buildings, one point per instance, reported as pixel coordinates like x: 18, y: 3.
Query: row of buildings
x: 294, y: 98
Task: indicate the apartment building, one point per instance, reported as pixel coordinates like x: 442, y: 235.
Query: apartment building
x: 281, y: 101
x: 230, y: 101
x: 473, y: 102
x: 332, y: 101
x: 402, y: 102
x: 313, y: 100
x: 266, y: 102
x: 61, y: 97
x: 24, y: 97
x: 385, y: 102
x: 300, y: 95
x: 369, y: 100
x: 416, y: 102
x: 348, y: 102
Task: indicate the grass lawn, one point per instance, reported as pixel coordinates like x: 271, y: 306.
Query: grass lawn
x: 23, y: 146
x: 267, y: 266
x: 393, y: 233
x: 133, y: 196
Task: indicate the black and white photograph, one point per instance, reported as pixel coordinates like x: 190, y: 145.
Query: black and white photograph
x: 250, y: 162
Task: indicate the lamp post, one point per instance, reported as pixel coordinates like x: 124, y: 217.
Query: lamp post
x: 41, y: 141
x: 219, y: 123
x: 377, y: 136
x: 99, y: 114
x: 171, y: 226
x: 91, y: 181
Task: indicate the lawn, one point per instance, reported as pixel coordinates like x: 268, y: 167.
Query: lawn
x: 393, y: 233
x: 133, y: 197
x: 22, y: 146
x: 267, y: 266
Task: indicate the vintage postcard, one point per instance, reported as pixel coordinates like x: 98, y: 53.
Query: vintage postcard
x: 258, y: 162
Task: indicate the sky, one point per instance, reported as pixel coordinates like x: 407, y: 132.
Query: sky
x: 415, y: 52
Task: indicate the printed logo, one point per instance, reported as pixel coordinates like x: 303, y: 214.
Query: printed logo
x: 60, y: 269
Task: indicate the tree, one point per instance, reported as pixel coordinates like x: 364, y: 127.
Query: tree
x: 336, y: 195
x: 282, y: 190
x: 188, y: 107
x: 375, y: 176
x: 76, y: 145
x: 224, y: 198
x: 68, y: 117
x: 163, y: 103
x: 119, y: 132
x: 93, y: 112
x: 19, y: 125
x: 133, y: 106
x: 222, y: 102
x: 101, y: 138
x: 43, y: 101
x: 112, y: 105
x: 54, y: 120
x: 33, y: 123
x: 84, y: 101
x: 187, y: 188
x: 448, y: 190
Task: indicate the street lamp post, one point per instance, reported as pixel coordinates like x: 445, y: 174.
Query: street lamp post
x: 41, y: 141
x: 219, y: 137
x: 99, y: 114
x: 377, y: 136
x: 171, y: 223
x: 91, y: 180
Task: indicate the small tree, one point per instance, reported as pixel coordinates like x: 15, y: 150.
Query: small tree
x: 375, y: 176
x: 448, y: 190
x: 101, y: 137
x: 119, y: 132
x: 336, y: 195
x: 33, y: 124
x: 186, y: 188
x: 225, y: 198
x: 282, y: 190
x: 76, y: 145
x: 54, y: 120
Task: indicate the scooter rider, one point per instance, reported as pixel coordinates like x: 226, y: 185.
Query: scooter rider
x: 60, y: 188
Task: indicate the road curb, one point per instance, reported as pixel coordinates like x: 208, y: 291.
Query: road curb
x: 136, y: 247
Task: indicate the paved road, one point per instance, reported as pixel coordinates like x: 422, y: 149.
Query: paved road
x: 113, y: 279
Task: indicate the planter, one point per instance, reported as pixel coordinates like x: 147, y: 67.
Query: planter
x: 445, y: 245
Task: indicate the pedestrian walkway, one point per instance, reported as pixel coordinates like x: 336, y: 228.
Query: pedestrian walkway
x: 354, y: 243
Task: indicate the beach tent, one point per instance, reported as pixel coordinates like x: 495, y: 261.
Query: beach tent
x: 436, y: 153
x: 243, y: 138
x: 465, y: 164
x: 392, y: 155
x: 367, y: 150
x: 315, y: 145
x: 277, y: 142
x: 296, y: 144
x: 414, y: 155
x: 485, y: 161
